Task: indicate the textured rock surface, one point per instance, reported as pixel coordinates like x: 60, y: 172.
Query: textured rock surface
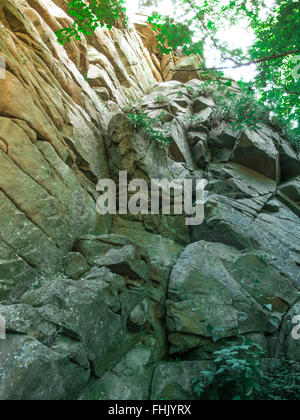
x: 96, y: 307
x: 32, y: 371
x: 51, y: 128
x: 219, y: 292
x: 173, y: 381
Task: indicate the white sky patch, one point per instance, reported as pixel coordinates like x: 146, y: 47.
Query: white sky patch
x: 238, y: 36
x: 54, y: 9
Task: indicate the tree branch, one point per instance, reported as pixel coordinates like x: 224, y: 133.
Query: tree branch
x: 249, y: 63
x: 209, y: 34
x: 285, y: 89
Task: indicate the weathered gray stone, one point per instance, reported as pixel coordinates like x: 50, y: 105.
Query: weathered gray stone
x: 178, y: 135
x: 216, y: 291
x: 289, y: 161
x: 195, y: 136
x: 75, y: 265
x: 23, y: 319
x: 57, y: 139
x: 126, y: 262
x: 130, y: 379
x: 31, y: 371
x: 71, y: 348
x: 223, y: 136
x: 233, y: 222
x: 93, y: 246
x: 174, y: 380
x: 291, y: 190
x: 93, y: 310
x: 255, y: 152
x: 202, y: 103
x: 238, y: 181
x: 161, y: 251
x: 289, y: 194
x: 201, y: 154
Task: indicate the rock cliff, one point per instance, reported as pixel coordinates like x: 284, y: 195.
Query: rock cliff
x: 101, y: 307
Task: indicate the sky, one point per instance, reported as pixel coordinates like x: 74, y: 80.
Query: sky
x: 237, y: 36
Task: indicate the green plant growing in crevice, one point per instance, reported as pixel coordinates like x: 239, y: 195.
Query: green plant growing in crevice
x: 153, y: 127
x: 240, y: 109
x: 24, y: 61
x: 193, y: 121
x: 205, y: 89
x: 274, y: 50
x: 85, y: 76
x: 284, y: 129
x: 180, y: 94
x: 161, y: 99
x: 243, y: 110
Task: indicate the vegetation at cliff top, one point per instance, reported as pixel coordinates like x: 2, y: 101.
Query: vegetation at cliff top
x: 275, y: 51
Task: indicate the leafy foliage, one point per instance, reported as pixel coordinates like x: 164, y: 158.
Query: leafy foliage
x: 238, y: 373
x: 172, y: 34
x: 196, y: 26
x: 161, y: 99
x: 153, y: 127
x: 282, y: 383
x: 242, y: 109
x: 278, y: 81
x: 234, y: 374
x: 276, y: 50
x: 89, y: 16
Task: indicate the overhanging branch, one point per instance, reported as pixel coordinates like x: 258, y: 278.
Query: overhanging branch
x: 249, y: 63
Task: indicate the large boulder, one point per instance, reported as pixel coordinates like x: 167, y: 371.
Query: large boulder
x: 258, y: 153
x: 217, y: 292
x: 130, y: 379
x: 94, y: 310
x: 174, y: 380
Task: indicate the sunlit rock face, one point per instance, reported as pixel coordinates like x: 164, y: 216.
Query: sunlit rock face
x: 52, y: 125
x: 51, y: 143
x: 92, y: 304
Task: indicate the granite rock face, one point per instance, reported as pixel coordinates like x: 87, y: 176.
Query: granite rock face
x: 98, y: 307
x: 52, y: 122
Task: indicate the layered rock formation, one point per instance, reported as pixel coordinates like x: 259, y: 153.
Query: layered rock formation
x: 99, y: 307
